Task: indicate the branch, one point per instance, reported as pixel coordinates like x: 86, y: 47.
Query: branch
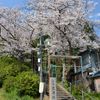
x: 8, y: 32
x: 64, y: 34
x: 31, y: 33
x: 4, y: 38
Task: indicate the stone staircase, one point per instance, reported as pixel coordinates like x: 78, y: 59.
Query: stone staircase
x: 62, y: 94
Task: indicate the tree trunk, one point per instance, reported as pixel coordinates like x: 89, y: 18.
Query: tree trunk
x: 34, y: 61
x: 70, y: 52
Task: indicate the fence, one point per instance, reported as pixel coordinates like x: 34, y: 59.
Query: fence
x: 78, y: 91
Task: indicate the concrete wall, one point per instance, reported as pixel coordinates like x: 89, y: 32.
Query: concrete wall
x: 97, y: 84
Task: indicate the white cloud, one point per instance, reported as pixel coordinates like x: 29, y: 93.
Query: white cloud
x: 91, y: 16
x: 96, y: 3
x: 98, y: 15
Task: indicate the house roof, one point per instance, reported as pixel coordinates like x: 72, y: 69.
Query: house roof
x: 83, y: 69
x: 97, y: 74
x: 85, y: 50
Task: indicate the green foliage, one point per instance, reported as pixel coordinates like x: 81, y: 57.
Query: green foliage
x: 92, y: 38
x: 75, y: 51
x: 9, y: 83
x: 88, y: 28
x: 59, y: 73
x: 34, y: 43
x: 17, y: 79
x: 27, y: 83
x: 96, y: 95
x: 6, y: 60
x: 37, y: 40
x: 13, y: 96
x: 76, y: 91
x: 46, y: 37
x: 44, y: 59
x: 12, y: 70
x: 10, y: 66
x: 27, y: 98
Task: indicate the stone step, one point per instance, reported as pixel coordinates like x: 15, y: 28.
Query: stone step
x: 62, y: 95
x: 65, y: 98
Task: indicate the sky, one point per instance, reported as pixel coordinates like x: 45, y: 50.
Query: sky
x: 12, y: 3
x: 96, y: 15
x: 20, y: 3
x: 96, y: 11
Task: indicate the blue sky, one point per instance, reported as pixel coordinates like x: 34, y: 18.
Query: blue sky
x: 12, y: 3
x: 96, y: 12
x: 21, y: 3
x: 96, y: 15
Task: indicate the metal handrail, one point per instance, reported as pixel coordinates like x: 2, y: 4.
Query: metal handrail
x: 66, y: 92
x: 89, y: 95
x: 83, y: 92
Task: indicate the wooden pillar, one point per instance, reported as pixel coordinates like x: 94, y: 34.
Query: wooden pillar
x: 98, y: 60
x: 75, y: 70
x: 33, y: 61
x: 49, y: 72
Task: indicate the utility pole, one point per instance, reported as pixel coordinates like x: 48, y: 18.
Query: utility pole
x: 63, y: 75
x: 81, y: 67
x: 32, y: 60
x: 41, y: 86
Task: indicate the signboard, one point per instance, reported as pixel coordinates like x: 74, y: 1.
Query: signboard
x: 53, y: 95
x: 41, y: 87
x: 39, y: 69
x: 39, y: 60
x: 53, y: 71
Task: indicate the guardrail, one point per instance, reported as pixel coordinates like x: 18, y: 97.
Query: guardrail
x: 79, y: 94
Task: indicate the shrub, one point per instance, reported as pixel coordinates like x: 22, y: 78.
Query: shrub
x: 10, y: 67
x: 27, y: 84
x: 7, y: 60
x: 9, y: 84
x: 27, y: 98
x: 11, y: 95
x: 15, y: 75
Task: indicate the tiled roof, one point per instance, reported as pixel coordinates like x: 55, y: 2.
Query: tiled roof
x: 97, y: 74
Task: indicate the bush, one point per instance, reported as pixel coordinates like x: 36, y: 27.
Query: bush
x: 13, y: 96
x: 9, y: 84
x: 7, y: 60
x: 27, y: 98
x: 15, y: 75
x: 27, y: 84
x: 10, y: 66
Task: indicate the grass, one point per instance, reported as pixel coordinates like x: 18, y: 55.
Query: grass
x: 13, y: 96
x: 77, y: 93
x: 11, y: 67
x: 2, y: 95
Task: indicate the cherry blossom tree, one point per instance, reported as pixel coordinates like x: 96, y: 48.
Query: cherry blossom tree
x: 15, y: 37
x: 64, y: 21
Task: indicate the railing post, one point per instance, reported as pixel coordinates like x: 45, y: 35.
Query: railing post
x: 63, y: 75
x: 82, y: 95
x: 70, y: 88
